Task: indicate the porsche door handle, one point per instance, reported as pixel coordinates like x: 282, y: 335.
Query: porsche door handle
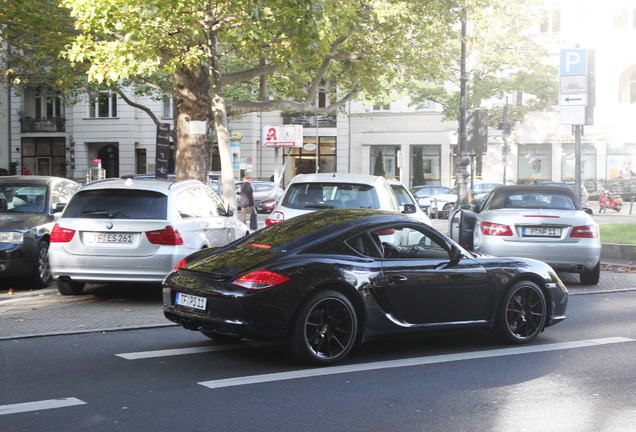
x: 397, y: 279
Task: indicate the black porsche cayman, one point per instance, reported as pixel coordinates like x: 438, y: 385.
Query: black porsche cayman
x: 326, y: 281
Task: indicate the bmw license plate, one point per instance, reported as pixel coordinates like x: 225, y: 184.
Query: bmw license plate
x: 118, y: 238
x: 188, y: 300
x: 541, y: 232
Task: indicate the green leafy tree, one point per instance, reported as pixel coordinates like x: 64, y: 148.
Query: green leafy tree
x: 240, y: 56
x: 502, y: 57
x: 33, y: 33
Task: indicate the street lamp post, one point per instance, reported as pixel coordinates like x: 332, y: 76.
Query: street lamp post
x: 463, y: 160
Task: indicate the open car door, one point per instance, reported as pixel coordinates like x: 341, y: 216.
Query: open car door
x: 461, y: 226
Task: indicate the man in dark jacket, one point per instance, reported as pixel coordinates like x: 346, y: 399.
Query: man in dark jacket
x: 247, y: 198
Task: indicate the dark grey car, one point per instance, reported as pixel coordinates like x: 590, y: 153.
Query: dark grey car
x: 29, y: 206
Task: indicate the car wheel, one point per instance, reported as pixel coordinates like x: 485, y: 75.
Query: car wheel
x: 68, y: 287
x: 41, y: 269
x: 522, y: 313
x: 325, y: 330
x: 221, y: 338
x: 448, y: 210
x: 591, y: 277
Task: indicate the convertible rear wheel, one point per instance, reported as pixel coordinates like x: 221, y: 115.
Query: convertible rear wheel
x: 325, y: 330
x: 591, y: 277
x: 522, y: 313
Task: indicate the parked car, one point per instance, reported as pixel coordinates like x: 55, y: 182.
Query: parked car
x: 147, y: 176
x: 421, y: 193
x: 263, y: 191
x: 443, y: 205
x: 266, y: 206
x: 311, y: 192
x: 131, y: 230
x: 406, y: 199
x: 326, y: 281
x: 533, y: 221
x: 584, y: 195
x: 29, y: 206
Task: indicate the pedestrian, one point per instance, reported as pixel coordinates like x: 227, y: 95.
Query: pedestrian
x: 247, y: 198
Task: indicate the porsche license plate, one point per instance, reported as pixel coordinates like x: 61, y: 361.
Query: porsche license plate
x: 188, y: 300
x: 541, y: 232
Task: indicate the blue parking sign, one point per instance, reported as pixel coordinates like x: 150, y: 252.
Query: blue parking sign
x: 573, y: 62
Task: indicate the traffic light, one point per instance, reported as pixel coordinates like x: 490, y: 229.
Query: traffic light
x: 477, y: 131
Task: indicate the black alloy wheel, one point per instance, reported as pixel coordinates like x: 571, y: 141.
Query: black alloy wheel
x: 522, y: 313
x: 325, y: 329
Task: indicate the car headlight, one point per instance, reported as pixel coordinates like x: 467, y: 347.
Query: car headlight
x: 11, y: 237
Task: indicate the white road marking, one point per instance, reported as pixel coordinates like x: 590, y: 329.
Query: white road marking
x: 417, y: 361
x: 184, y: 351
x: 40, y: 405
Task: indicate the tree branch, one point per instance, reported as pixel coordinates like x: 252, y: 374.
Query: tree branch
x: 153, y: 117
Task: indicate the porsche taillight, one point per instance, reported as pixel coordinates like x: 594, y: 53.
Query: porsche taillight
x: 260, y: 279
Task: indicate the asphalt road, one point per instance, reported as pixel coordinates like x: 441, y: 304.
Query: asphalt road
x: 578, y: 376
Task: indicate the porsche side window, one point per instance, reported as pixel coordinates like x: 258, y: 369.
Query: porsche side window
x: 409, y: 242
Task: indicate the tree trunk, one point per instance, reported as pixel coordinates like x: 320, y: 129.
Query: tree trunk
x: 193, y: 119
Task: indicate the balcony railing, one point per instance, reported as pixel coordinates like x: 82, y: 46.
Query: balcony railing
x: 51, y: 124
x: 310, y: 120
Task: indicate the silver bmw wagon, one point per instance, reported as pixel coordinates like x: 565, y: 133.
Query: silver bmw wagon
x: 136, y: 230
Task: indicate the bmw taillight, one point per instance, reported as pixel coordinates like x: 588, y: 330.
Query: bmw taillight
x: 274, y: 218
x: 61, y: 235
x: 260, y: 279
x: 168, y: 236
x: 585, y: 231
x: 495, y: 229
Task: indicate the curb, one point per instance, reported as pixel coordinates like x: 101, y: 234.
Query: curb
x: 618, y: 252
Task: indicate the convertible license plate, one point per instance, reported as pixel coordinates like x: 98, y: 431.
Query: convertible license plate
x: 188, y: 300
x: 541, y: 232
x: 117, y: 238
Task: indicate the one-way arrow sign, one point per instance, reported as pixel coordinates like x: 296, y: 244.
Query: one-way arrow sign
x: 569, y: 99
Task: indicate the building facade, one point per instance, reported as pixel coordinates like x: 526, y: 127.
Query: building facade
x: 47, y: 137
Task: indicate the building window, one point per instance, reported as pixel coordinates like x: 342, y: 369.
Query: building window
x: 625, y: 19
x: 140, y: 161
x: 551, y: 22
x: 103, y: 105
x: 425, y: 165
x: 568, y: 162
x: 384, y: 161
x: 380, y: 107
x: 44, y: 156
x: 535, y: 161
x: 48, y: 106
x: 304, y: 158
x: 167, y: 110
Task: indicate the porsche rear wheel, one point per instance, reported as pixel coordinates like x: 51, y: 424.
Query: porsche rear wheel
x: 325, y: 330
x: 522, y: 313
